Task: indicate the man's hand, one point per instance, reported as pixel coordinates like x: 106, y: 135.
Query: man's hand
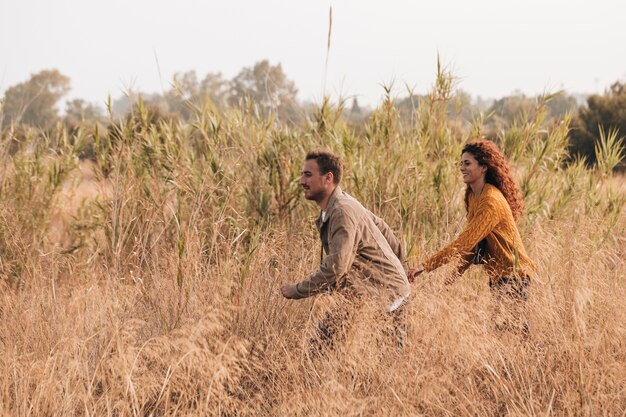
x: 414, y: 273
x: 289, y: 291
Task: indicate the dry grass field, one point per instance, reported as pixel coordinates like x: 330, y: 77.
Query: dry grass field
x: 144, y: 281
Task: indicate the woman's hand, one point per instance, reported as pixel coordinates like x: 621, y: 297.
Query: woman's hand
x: 414, y: 273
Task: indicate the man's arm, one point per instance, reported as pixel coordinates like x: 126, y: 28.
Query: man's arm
x: 335, y: 265
x: 394, y: 242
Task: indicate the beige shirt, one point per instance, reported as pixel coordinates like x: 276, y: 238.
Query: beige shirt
x: 361, y: 252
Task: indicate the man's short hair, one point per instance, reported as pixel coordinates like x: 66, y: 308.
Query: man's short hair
x: 327, y: 162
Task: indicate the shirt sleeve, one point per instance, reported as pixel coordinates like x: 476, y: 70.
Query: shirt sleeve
x: 486, y: 218
x: 336, y: 264
x: 390, y: 237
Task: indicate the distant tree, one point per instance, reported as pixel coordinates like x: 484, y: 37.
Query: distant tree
x: 127, y: 103
x: 355, y: 115
x: 607, y: 110
x: 187, y: 92
x: 121, y: 105
x: 506, y: 110
x: 269, y: 88
x: 215, y: 88
x: 483, y: 104
x: 34, y: 101
x: 459, y: 107
x: 407, y: 106
x: 78, y: 110
x: 355, y: 109
x: 156, y: 103
x: 561, y: 104
x: 463, y: 106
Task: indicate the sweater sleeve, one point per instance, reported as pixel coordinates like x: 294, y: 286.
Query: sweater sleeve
x: 487, y: 216
x: 466, y: 262
x: 335, y: 265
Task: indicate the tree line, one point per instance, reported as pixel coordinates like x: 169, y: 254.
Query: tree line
x: 267, y: 89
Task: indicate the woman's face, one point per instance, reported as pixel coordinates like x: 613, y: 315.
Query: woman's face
x: 470, y: 168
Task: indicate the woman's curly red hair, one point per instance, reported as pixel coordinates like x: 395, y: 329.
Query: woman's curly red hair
x: 498, y: 173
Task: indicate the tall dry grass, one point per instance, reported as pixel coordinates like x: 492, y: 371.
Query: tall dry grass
x: 146, y: 282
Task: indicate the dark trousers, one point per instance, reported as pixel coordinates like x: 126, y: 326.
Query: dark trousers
x: 333, y: 326
x: 510, y: 296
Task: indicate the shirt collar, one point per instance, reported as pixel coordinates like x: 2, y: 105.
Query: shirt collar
x: 331, y: 202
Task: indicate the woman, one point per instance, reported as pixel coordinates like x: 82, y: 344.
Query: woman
x: 491, y: 238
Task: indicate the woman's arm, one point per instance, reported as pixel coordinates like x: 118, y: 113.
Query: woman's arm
x: 487, y: 216
x: 465, y: 263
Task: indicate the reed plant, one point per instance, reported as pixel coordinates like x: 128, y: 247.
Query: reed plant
x: 157, y: 291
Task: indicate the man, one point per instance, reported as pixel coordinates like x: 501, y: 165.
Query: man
x: 361, y: 255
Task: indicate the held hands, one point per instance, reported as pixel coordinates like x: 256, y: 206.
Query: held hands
x: 415, y: 272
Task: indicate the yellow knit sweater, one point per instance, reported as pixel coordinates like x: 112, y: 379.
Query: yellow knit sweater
x: 488, y: 216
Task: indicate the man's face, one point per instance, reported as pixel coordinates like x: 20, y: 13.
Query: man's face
x: 316, y: 186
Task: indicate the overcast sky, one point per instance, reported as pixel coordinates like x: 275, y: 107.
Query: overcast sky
x: 494, y: 46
